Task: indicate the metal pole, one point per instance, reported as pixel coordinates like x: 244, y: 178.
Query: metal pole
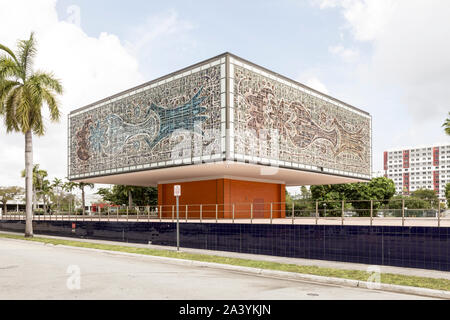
x: 186, y: 213
x: 201, y: 211
x: 217, y: 209
x: 293, y: 211
x: 127, y: 214
x: 233, y: 213
x: 148, y: 213
x: 271, y: 212
x: 137, y: 213
x: 118, y: 214
x: 99, y: 213
x: 342, y: 214
x: 178, y: 225
x: 173, y: 212
x: 109, y: 209
x: 160, y: 213
x: 251, y: 212
x: 371, y: 212
x: 317, y: 211
x: 403, y: 212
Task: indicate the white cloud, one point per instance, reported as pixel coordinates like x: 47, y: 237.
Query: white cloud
x: 348, y: 55
x: 316, y: 84
x: 90, y: 68
x: 411, y: 50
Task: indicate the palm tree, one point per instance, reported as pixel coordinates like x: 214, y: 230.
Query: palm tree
x: 38, y: 179
x: 69, y: 186
x: 446, y: 125
x: 23, y: 93
x: 81, y: 186
x: 57, y: 184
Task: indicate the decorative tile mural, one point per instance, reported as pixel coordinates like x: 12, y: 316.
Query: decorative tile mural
x: 302, y: 128
x: 149, y: 126
x: 184, y: 116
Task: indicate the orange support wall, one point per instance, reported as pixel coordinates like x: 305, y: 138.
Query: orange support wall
x: 225, y: 193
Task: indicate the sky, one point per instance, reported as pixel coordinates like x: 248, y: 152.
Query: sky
x: 390, y: 58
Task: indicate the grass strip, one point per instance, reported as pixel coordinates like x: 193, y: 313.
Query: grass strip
x: 388, y: 278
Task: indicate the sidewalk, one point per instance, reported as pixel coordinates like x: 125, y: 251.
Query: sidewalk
x: 305, y: 262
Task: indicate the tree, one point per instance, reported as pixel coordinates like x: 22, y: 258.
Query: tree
x: 7, y: 194
x: 425, y: 194
x: 120, y: 195
x: 379, y: 189
x: 69, y: 186
x: 447, y: 192
x: 446, y: 125
x: 81, y: 186
x: 23, y: 93
x: 57, y: 185
x: 38, y: 182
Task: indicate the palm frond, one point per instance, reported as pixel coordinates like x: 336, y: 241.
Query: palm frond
x: 27, y: 51
x: 9, y: 51
x: 48, y: 81
x: 9, y: 68
x: 10, y: 108
x: 446, y: 125
x: 52, y: 104
x: 6, y: 87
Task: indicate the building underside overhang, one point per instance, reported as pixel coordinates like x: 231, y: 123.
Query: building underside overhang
x: 217, y: 170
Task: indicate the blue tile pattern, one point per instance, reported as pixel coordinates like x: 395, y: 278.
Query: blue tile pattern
x: 412, y: 247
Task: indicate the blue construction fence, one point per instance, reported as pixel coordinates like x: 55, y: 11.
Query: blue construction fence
x: 413, y: 247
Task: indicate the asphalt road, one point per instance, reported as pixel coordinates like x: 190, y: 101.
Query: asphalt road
x: 38, y: 271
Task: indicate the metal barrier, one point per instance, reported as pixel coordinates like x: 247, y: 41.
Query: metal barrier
x: 404, y: 212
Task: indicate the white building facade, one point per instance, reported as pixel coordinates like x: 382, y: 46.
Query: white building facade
x: 424, y: 167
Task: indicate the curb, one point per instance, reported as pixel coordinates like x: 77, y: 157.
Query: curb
x: 441, y: 294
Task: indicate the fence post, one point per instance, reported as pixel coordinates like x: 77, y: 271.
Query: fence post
x: 317, y: 211
x: 271, y: 212
x: 342, y: 218
x: 251, y: 212
x: 217, y: 207
x: 186, y: 213
x: 160, y: 213
x: 127, y: 213
x: 148, y: 213
x: 108, y: 212
x: 403, y: 212
x: 371, y: 212
x: 233, y: 214
x: 137, y: 213
x: 201, y: 212
x: 293, y: 211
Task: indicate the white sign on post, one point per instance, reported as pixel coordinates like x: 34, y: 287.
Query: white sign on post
x: 177, y: 190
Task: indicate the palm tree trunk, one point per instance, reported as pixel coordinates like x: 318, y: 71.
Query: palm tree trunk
x: 29, y: 184
x: 82, y: 200
x: 130, y: 199
x: 34, y: 199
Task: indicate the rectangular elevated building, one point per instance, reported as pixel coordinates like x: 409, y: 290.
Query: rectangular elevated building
x: 228, y: 131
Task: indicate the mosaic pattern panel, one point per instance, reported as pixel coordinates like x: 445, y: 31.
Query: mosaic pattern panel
x: 297, y: 126
x: 162, y: 123
x: 410, y: 247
